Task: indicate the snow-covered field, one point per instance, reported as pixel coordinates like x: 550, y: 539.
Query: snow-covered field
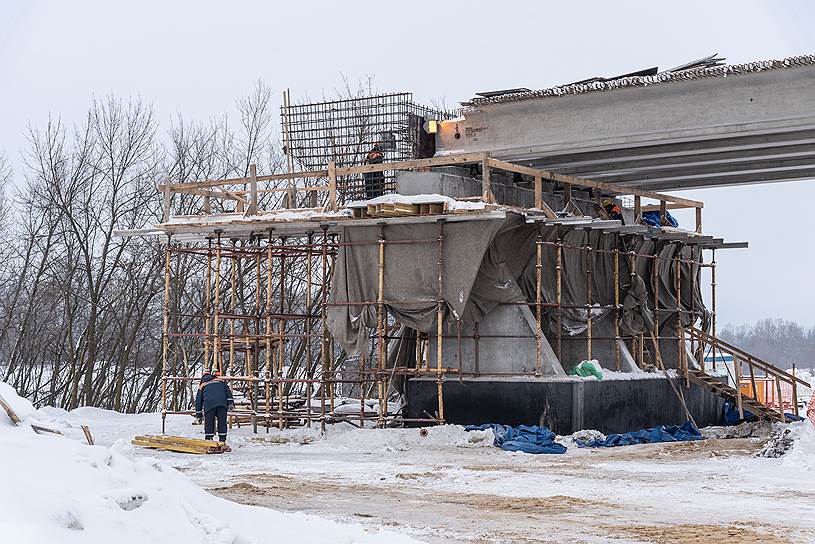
x: 394, y: 485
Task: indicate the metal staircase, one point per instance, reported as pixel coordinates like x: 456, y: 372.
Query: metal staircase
x: 754, y: 366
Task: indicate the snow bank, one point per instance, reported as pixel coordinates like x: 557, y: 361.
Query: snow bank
x: 55, y: 489
x: 439, y: 437
x: 802, y: 454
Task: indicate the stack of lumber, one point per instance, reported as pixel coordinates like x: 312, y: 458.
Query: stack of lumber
x: 399, y: 210
x: 180, y: 444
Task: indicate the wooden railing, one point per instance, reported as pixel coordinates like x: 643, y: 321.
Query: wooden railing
x: 247, y: 198
x: 754, y: 364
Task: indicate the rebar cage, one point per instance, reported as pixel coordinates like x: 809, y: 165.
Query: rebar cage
x: 345, y: 131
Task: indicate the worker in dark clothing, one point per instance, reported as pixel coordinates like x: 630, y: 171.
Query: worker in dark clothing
x: 213, y: 400
x: 374, y: 181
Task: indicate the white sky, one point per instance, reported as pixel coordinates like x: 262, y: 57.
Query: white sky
x: 196, y: 57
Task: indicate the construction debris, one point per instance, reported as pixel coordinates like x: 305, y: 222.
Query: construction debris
x: 180, y: 444
x: 11, y: 413
x: 88, y: 435
x: 39, y: 429
x: 780, y: 442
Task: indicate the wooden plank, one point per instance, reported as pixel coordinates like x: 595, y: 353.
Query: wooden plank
x: 581, y: 182
x: 88, y: 435
x: 39, y: 429
x: 12, y: 415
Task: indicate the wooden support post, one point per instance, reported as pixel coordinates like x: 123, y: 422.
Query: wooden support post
x: 567, y: 196
x: 663, y: 213
x: 616, y: 256
x: 794, y: 392
x: 699, y: 220
x: 538, y: 301
x: 486, y: 180
x: 559, y: 295
x: 207, y: 305
x: 637, y: 210
x: 752, y: 377
x: 308, y: 326
x: 216, y: 328
x: 332, y: 186
x: 381, y: 318
x: 165, y: 337
x: 324, y: 340
x: 539, y: 193
x: 589, y: 265
x: 168, y: 198
x: 439, y: 320
x: 680, y: 345
x: 268, y: 339
x: 281, y: 339
x: 253, y: 190
x: 780, y: 399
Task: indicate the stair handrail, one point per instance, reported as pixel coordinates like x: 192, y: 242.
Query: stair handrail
x: 754, y: 362
x: 760, y: 363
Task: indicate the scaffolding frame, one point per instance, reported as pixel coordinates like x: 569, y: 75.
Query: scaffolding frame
x: 250, y: 348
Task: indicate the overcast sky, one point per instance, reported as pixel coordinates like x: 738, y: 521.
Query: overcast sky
x: 196, y: 57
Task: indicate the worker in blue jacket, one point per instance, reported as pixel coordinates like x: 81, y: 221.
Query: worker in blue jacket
x: 213, y: 400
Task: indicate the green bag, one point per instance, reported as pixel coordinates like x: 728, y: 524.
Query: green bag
x: 588, y: 368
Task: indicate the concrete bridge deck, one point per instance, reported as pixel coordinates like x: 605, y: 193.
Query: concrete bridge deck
x: 707, y: 127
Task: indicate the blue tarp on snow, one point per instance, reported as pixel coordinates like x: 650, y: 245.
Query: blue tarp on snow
x: 731, y: 414
x: 663, y: 433
x: 525, y: 438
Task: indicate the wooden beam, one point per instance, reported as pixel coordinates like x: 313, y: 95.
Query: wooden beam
x: 581, y: 182
x: 699, y: 220
x: 668, y: 206
x: 448, y: 160
x: 637, y: 210
x: 538, y: 192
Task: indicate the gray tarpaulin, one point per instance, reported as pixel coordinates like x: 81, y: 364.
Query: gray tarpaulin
x: 411, y: 276
x: 491, y: 262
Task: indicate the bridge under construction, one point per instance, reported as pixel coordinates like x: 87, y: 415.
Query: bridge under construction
x: 414, y: 266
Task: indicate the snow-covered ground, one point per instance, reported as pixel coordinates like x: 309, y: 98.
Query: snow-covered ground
x: 59, y: 490
x: 447, y: 486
